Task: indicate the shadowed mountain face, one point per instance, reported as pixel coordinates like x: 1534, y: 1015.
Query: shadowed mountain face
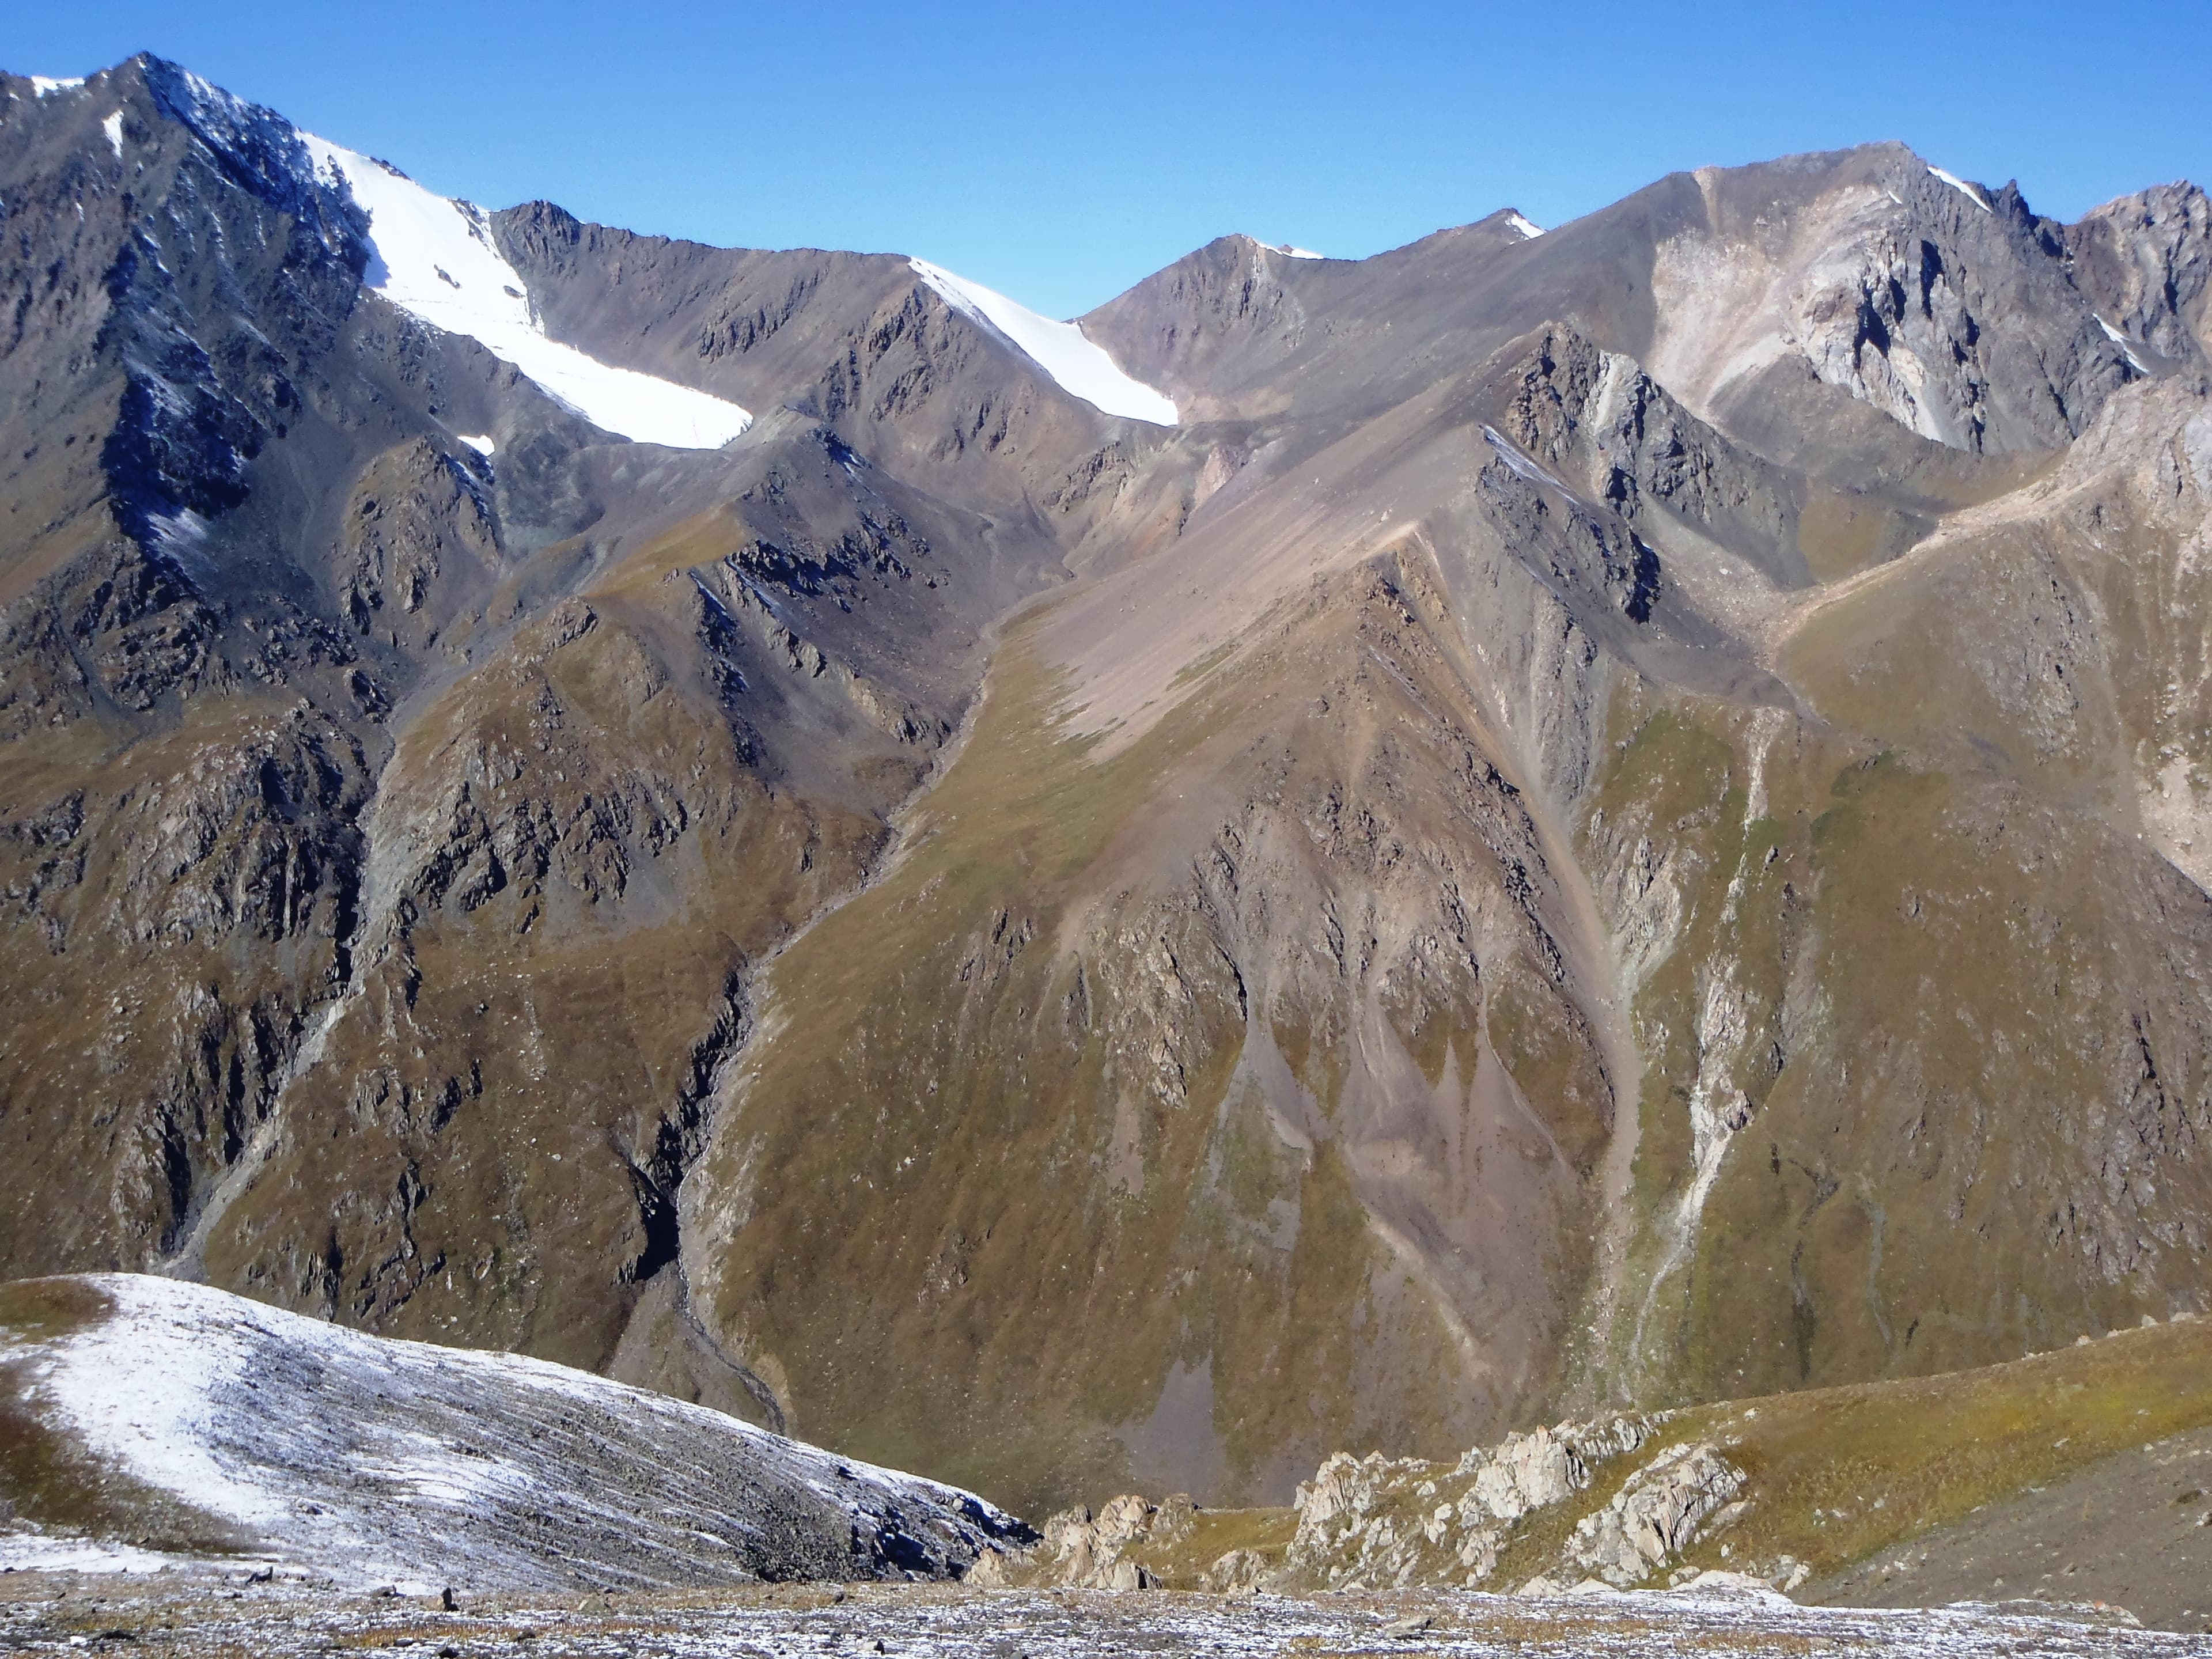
x: 1617, y: 815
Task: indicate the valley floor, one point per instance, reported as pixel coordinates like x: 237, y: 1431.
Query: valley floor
x: 192, y: 1615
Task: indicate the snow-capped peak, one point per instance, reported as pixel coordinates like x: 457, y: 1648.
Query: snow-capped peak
x: 1075, y: 362
x: 1972, y: 192
x: 1285, y: 249
x: 1529, y: 228
x: 434, y: 259
x: 46, y: 85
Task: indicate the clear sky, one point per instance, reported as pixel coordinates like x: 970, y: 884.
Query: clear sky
x: 1061, y: 152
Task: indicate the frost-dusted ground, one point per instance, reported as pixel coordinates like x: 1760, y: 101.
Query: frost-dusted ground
x: 369, y: 1461
x: 279, y: 1620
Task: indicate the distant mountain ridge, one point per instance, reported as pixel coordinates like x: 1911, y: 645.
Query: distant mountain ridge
x: 1534, y: 825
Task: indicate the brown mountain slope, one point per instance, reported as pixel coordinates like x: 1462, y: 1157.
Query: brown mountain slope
x: 1861, y: 1144
x: 1612, y: 817
x: 323, y: 723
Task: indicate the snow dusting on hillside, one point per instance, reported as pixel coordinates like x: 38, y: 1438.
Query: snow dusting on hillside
x: 435, y: 257
x: 1075, y: 362
x: 376, y: 1460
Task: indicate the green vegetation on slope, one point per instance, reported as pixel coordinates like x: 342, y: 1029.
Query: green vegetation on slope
x: 1153, y: 1111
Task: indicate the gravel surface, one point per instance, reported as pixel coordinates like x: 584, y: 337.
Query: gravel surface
x: 208, y: 1615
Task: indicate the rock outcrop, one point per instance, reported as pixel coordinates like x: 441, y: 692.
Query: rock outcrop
x: 1665, y: 1507
x: 1093, y: 1552
x: 1380, y: 1522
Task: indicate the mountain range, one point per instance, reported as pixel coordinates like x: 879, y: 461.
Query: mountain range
x: 1335, y: 854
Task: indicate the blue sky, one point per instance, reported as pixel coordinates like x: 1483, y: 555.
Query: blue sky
x: 1059, y: 153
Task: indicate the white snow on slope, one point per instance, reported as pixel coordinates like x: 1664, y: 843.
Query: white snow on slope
x: 46, y: 85
x: 1528, y: 227
x: 434, y: 259
x: 1971, y: 192
x: 1079, y: 364
x: 35, y: 1551
x: 112, y: 126
x: 1298, y: 253
x: 378, y: 1460
x: 2125, y: 345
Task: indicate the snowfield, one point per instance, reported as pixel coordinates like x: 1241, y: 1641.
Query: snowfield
x: 434, y: 259
x: 370, y: 1460
x: 1077, y: 363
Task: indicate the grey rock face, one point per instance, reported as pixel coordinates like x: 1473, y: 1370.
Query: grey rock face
x: 1655, y: 1516
x: 2146, y: 259
x: 1088, y: 1552
x: 1910, y: 322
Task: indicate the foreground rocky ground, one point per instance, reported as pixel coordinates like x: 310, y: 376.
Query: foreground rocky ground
x: 190, y: 1615
x: 2078, y: 1477
x: 193, y: 1441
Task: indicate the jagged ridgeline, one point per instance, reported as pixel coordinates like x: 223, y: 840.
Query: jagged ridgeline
x: 1344, y: 855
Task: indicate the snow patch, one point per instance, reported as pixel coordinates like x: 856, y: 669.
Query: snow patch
x: 1972, y: 192
x: 481, y: 443
x: 181, y: 535
x: 1529, y: 228
x: 1524, y: 464
x: 46, y: 85
x: 32, y: 1551
x: 2125, y: 345
x: 112, y: 126
x: 434, y: 259
x: 1076, y: 363
x: 1298, y: 253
